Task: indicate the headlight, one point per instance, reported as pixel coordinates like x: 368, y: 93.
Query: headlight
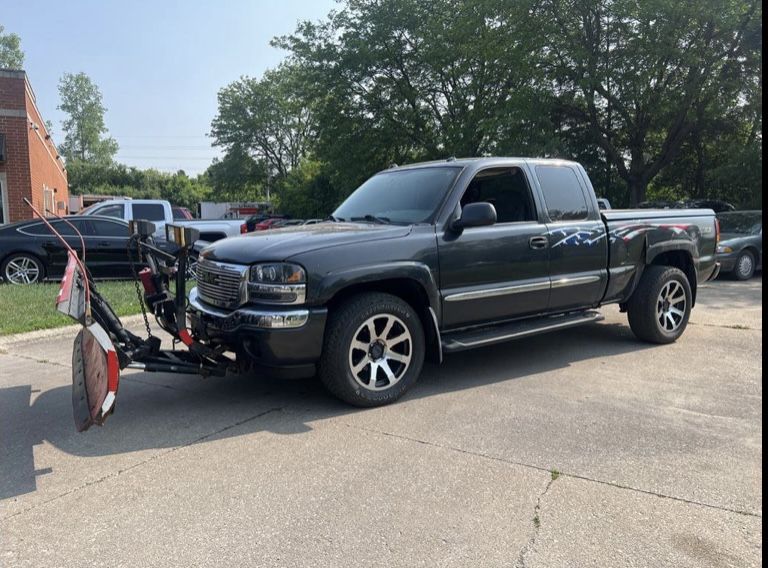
x: 277, y: 283
x: 722, y: 249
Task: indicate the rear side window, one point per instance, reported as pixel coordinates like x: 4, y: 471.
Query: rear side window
x: 149, y: 211
x: 109, y: 229
x: 41, y: 229
x: 116, y: 211
x: 563, y: 196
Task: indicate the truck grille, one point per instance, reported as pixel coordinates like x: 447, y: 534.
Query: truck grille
x: 221, y: 284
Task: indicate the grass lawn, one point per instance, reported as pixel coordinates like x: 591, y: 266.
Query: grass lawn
x: 26, y: 308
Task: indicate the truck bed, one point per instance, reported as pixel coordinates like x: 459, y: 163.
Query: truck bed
x: 637, y: 237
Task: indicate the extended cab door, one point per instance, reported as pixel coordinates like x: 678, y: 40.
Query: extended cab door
x: 500, y: 271
x: 578, y: 247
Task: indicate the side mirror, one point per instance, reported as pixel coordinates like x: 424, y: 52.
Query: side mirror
x: 475, y: 215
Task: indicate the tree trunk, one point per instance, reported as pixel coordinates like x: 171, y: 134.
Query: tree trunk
x: 637, y: 189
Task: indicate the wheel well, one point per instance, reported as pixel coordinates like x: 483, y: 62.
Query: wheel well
x: 406, y: 289
x: 682, y: 260
x: 754, y: 251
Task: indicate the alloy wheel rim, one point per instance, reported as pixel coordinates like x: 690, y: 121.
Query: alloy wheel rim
x: 22, y: 270
x: 745, y: 265
x: 670, y: 306
x: 380, y: 353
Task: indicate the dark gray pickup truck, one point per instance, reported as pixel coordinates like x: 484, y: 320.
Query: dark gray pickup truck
x: 439, y: 257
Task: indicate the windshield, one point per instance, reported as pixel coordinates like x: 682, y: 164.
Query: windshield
x: 741, y: 223
x: 399, y: 196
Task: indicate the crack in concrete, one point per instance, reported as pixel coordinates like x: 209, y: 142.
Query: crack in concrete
x: 561, y: 473
x: 736, y: 326
x: 38, y: 360
x: 149, y: 459
x: 521, y: 558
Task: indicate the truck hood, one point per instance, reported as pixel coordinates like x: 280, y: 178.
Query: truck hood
x: 282, y: 244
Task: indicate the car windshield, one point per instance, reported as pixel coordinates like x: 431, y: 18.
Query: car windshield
x: 399, y: 196
x: 741, y: 223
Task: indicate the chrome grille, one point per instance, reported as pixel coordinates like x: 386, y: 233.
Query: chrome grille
x: 221, y: 284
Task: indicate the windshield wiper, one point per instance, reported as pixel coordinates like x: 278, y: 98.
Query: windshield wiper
x: 373, y: 219
x: 335, y: 219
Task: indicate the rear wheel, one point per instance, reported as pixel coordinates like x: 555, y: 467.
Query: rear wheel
x: 661, y: 305
x: 745, y: 266
x: 22, y: 268
x: 374, y: 350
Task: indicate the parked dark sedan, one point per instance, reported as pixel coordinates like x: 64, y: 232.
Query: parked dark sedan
x: 30, y: 253
x: 740, y: 251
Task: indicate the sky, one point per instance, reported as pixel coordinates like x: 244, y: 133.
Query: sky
x: 159, y: 64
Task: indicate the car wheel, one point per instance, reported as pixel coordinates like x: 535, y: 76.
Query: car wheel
x: 374, y: 350
x: 22, y: 268
x: 661, y: 305
x: 745, y: 266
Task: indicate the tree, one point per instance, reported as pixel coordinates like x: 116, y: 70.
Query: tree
x: 11, y: 55
x: 84, y: 129
x: 405, y: 80
x: 237, y: 176
x: 641, y: 77
x: 265, y: 119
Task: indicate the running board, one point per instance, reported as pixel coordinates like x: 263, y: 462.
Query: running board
x: 479, y: 337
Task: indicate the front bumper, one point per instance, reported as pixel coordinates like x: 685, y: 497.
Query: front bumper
x: 279, y: 342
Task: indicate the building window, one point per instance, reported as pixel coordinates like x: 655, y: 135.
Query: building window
x: 49, y: 203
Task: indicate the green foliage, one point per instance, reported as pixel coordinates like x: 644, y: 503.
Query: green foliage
x: 656, y: 93
x: 408, y: 80
x: 237, y: 176
x: 84, y: 128
x: 11, y: 55
x: 641, y: 77
x: 265, y: 119
x: 121, y: 180
x: 307, y: 193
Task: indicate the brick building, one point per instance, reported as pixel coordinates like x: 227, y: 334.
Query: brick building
x: 30, y: 165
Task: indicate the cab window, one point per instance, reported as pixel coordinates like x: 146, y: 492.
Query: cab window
x: 507, y: 190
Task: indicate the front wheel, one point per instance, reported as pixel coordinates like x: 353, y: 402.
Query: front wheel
x: 374, y: 350
x: 661, y: 305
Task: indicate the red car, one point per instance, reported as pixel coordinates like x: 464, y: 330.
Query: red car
x: 181, y: 214
x: 267, y: 223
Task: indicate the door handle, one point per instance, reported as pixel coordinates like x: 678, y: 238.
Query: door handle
x: 538, y: 242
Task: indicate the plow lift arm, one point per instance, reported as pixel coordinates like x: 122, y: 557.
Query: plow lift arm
x: 104, y: 347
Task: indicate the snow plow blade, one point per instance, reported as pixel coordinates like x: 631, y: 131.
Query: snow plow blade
x: 95, y: 377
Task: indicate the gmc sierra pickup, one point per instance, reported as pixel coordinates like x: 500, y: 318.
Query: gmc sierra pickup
x: 438, y: 257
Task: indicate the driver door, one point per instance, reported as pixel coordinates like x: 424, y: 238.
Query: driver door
x: 501, y: 271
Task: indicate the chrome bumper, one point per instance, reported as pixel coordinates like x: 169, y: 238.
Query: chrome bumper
x: 246, y: 317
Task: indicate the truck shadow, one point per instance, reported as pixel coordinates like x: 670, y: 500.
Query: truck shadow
x: 164, y: 411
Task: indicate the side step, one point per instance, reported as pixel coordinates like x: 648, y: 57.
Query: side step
x: 479, y: 337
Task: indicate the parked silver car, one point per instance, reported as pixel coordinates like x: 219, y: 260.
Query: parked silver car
x: 740, y: 251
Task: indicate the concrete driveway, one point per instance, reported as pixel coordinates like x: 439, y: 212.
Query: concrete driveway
x: 581, y: 448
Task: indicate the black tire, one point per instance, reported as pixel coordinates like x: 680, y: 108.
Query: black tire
x: 347, y: 324
x: 745, y: 266
x: 643, y: 307
x: 22, y: 259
